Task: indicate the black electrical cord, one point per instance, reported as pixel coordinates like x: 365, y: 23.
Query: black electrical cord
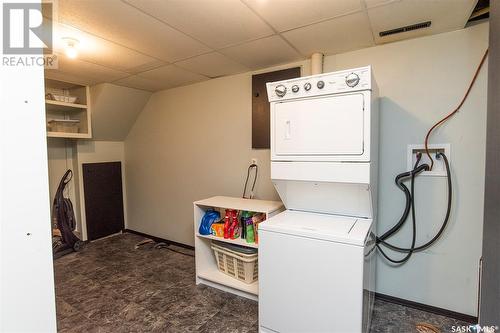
x: 254, y: 180
x: 409, y: 199
x: 162, y: 245
x: 416, y: 170
x: 446, y: 219
x: 424, y: 246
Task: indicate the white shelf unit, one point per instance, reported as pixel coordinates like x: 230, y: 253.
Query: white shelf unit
x: 80, y: 110
x: 206, y: 266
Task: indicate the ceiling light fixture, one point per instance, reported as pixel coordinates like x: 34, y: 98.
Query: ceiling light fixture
x: 71, y: 47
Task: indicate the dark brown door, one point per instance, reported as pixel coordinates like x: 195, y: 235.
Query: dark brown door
x: 260, y: 105
x: 103, y: 194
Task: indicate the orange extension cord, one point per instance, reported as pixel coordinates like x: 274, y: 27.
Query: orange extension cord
x: 439, y: 123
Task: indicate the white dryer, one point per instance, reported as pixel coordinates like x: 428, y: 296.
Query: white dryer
x: 316, y: 259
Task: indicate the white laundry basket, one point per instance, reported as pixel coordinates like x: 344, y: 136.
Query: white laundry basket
x: 238, y: 265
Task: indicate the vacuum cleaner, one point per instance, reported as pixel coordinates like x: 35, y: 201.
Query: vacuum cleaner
x: 64, y: 240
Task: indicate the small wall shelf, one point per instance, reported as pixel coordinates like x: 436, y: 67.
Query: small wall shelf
x: 68, y: 135
x: 206, y: 266
x: 51, y: 105
x: 78, y: 111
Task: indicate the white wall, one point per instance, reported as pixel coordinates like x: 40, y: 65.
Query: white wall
x: 194, y: 142
x: 27, y: 300
x: 114, y: 110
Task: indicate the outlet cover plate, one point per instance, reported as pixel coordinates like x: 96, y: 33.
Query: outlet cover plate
x: 439, y: 169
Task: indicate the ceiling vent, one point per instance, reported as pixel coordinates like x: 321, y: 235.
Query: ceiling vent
x: 405, y: 29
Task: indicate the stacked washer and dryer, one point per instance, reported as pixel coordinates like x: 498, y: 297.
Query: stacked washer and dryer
x: 317, y: 258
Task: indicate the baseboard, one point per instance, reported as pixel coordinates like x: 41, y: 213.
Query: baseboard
x: 159, y: 239
x: 428, y: 308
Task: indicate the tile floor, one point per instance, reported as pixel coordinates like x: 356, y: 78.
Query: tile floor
x: 112, y: 287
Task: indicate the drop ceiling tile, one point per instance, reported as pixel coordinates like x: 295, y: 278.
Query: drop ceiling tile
x: 172, y: 76
x: 443, y: 15
x: 262, y: 53
x: 85, y: 71
x: 137, y: 82
x: 288, y: 14
x: 338, y: 35
x: 148, y: 66
x: 217, y: 23
x: 376, y: 3
x: 100, y: 51
x: 121, y: 23
x: 212, y: 65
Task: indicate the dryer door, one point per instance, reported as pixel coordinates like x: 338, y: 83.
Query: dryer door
x: 323, y: 126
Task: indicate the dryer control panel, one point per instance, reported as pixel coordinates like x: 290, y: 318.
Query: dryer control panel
x: 322, y: 84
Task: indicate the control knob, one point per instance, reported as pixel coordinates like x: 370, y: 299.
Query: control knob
x: 352, y: 80
x: 320, y: 84
x: 307, y: 86
x: 280, y: 90
x: 295, y: 88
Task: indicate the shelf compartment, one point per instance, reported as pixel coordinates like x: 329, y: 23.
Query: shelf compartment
x: 56, y: 110
x: 51, y: 105
x: 237, y: 241
x: 216, y: 276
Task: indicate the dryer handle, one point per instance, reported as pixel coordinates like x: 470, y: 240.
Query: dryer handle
x: 288, y: 130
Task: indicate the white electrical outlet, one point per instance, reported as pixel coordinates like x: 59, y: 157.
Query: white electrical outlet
x: 254, y: 161
x: 439, y: 168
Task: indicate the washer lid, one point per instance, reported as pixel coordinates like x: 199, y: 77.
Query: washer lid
x: 336, y: 228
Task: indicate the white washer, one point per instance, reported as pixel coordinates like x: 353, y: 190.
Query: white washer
x: 322, y: 285
x: 316, y: 260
